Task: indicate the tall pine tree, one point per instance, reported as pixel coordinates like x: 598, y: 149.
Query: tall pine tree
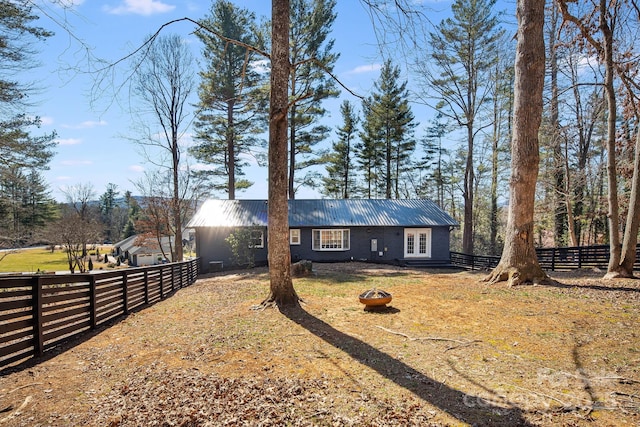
x: 461, y: 61
x: 233, y: 97
x: 17, y: 35
x: 21, y: 153
x: 340, y: 182
x: 432, y: 162
x: 26, y: 206
x: 387, y: 135
x: 311, y: 56
x: 369, y: 150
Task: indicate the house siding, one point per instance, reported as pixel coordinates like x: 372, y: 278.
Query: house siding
x: 367, y: 219
x: 390, y: 242
x: 212, y: 247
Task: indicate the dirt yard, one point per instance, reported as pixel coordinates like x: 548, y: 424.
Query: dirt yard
x: 448, y: 351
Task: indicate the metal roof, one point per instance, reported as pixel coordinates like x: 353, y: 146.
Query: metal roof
x: 325, y: 213
x: 137, y: 244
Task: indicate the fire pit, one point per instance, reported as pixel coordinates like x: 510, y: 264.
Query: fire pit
x: 375, y: 299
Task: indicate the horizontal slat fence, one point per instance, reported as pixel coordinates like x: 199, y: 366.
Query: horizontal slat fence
x: 551, y: 259
x: 473, y: 262
x: 40, y: 312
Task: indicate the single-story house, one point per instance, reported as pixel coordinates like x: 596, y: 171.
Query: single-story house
x: 140, y: 251
x: 402, y: 232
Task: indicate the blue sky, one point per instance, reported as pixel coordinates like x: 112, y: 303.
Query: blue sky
x: 92, y: 136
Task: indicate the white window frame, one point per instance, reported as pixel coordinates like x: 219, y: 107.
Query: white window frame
x: 331, y: 239
x: 254, y: 239
x: 417, y: 242
x: 294, y: 236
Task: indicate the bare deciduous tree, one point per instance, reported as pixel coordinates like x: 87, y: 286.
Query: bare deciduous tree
x: 598, y: 28
x: 155, y: 221
x: 164, y: 81
x: 77, y: 227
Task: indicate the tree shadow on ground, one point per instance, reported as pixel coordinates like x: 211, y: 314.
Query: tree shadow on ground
x: 559, y: 283
x: 465, y: 407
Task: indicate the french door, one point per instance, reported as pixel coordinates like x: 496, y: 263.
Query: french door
x: 417, y: 243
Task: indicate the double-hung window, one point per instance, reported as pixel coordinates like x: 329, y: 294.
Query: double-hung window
x: 294, y: 236
x: 257, y: 239
x: 331, y: 240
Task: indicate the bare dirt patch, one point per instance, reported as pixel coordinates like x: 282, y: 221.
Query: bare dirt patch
x: 449, y: 351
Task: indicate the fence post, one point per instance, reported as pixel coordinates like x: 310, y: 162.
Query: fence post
x: 579, y: 256
x: 173, y: 278
x: 92, y: 302
x: 161, y: 287
x: 146, y: 287
x: 125, y: 296
x: 553, y: 259
x: 38, y: 336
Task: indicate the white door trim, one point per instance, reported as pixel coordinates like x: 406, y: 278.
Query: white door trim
x: 417, y: 243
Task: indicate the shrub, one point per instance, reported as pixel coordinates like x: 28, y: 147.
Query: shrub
x: 242, y: 248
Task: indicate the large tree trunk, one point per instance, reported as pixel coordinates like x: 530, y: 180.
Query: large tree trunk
x: 467, y: 231
x: 292, y: 147
x: 559, y: 194
x: 619, y: 265
x: 495, y: 140
x: 519, y: 262
x: 231, y: 150
x: 615, y: 249
x: 630, y: 239
x: 282, y: 292
x: 571, y: 225
x: 175, y: 206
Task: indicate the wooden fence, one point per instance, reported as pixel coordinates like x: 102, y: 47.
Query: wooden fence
x: 40, y: 312
x: 551, y: 259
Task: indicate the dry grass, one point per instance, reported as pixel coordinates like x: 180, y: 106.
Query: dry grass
x: 449, y: 351
x: 34, y: 260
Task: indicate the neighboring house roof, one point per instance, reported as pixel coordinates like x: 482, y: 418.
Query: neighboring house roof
x: 126, y: 244
x: 149, y: 245
x: 325, y: 212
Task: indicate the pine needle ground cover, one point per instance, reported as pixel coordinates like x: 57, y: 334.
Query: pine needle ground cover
x: 448, y: 351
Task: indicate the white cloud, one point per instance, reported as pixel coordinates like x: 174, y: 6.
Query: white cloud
x: 261, y: 66
x: 361, y: 69
x: 68, y: 141
x: 586, y: 63
x: 76, y: 162
x: 136, y: 168
x: 140, y: 7
x: 87, y: 124
x: 46, y: 121
x: 201, y: 167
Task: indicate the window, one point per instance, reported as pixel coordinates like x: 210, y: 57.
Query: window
x: 294, y: 236
x: 411, y: 243
x: 331, y: 240
x: 257, y: 239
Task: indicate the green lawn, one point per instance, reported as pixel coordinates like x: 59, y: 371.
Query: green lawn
x: 32, y: 260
